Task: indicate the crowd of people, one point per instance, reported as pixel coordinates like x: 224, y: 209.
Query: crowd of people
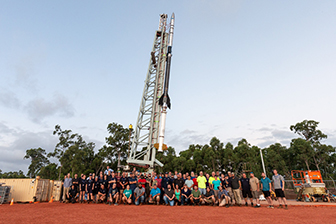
x: 169, y: 189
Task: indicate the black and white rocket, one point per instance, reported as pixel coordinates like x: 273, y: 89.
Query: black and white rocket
x: 164, y: 100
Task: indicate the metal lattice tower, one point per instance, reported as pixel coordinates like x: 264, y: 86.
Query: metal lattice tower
x: 147, y: 127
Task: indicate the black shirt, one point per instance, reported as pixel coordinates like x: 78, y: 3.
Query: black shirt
x: 102, y: 191
x: 75, y: 181
x: 73, y: 192
x: 230, y: 182
x: 225, y: 183
x: 124, y: 181
x: 210, y: 193
x: 165, y: 182
x: 89, y: 184
x: 245, y: 182
x: 111, y: 179
x: 169, y: 193
x: 82, y: 183
x: 179, y: 182
x: 235, y: 182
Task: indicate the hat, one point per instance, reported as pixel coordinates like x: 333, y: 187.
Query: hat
x: 90, y: 174
x: 166, y: 172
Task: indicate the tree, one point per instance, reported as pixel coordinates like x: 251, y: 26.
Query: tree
x: 65, y: 140
x: 49, y: 172
x: 38, y: 160
x: 117, y: 143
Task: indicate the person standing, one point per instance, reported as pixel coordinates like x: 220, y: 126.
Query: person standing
x: 266, y: 187
x: 228, y: 177
x: 254, y: 183
x: 67, y: 184
x: 82, y: 187
x: 279, y: 188
x: 246, y: 188
x: 75, y: 181
x: 178, y: 181
x: 189, y: 183
x: 236, y: 186
x: 201, y: 180
x: 89, y: 188
x: 215, y: 184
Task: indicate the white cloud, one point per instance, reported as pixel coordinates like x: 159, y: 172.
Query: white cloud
x: 39, y: 108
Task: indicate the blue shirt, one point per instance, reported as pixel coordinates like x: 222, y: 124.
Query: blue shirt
x: 67, y: 182
x: 265, y: 183
x: 154, y: 191
x: 216, y: 184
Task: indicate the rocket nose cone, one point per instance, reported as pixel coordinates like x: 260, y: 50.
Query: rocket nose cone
x: 173, y: 16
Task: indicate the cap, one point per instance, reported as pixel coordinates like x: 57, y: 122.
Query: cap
x: 166, y: 172
x: 90, y: 174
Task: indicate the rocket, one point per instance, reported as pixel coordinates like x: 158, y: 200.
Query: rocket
x: 164, y: 100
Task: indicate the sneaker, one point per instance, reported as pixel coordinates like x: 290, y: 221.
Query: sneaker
x: 246, y: 204
x: 227, y: 206
x: 251, y: 204
x: 272, y: 206
x: 257, y: 206
x: 193, y: 204
x: 280, y: 206
x: 199, y: 204
x: 115, y: 204
x: 109, y: 203
x: 286, y: 207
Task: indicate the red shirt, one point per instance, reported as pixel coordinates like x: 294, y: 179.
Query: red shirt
x: 195, y: 182
x: 159, y: 182
x: 143, y: 182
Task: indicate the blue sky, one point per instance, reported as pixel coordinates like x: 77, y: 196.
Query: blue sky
x: 240, y: 69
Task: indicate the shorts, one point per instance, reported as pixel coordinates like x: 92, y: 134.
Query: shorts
x: 202, y: 190
x: 82, y: 189
x: 89, y: 190
x: 247, y: 194
x: 255, y: 194
x: 279, y: 193
x: 266, y: 194
x: 208, y: 201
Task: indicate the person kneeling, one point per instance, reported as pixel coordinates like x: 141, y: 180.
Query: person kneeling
x: 169, y: 196
x: 223, y: 197
x: 209, y: 197
x: 139, y: 194
x: 186, y: 194
x: 114, y: 194
x: 101, y: 194
x: 154, y: 196
x: 127, y: 195
x: 72, y: 194
x: 195, y: 196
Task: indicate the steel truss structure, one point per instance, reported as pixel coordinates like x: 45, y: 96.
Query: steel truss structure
x: 146, y: 134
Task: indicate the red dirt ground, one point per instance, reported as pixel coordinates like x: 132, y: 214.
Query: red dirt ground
x: 92, y: 213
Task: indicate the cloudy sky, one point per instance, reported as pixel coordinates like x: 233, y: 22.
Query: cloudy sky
x: 240, y: 69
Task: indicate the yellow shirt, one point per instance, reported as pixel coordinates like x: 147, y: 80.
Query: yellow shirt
x: 201, y: 180
x: 211, y: 179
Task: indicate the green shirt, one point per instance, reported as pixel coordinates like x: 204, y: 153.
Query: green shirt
x: 128, y: 193
x: 196, y: 194
x: 177, y: 194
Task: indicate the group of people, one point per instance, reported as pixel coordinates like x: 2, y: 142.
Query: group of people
x: 173, y: 189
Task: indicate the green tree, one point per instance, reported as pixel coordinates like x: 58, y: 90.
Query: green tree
x: 38, y: 160
x: 49, y: 172
x: 117, y: 144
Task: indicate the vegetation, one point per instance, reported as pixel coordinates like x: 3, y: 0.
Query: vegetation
x: 74, y: 155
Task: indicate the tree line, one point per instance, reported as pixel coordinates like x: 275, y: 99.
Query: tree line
x: 74, y: 155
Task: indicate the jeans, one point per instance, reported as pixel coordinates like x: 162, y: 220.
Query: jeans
x: 184, y: 200
x: 141, y: 199
x: 171, y: 202
x: 202, y: 190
